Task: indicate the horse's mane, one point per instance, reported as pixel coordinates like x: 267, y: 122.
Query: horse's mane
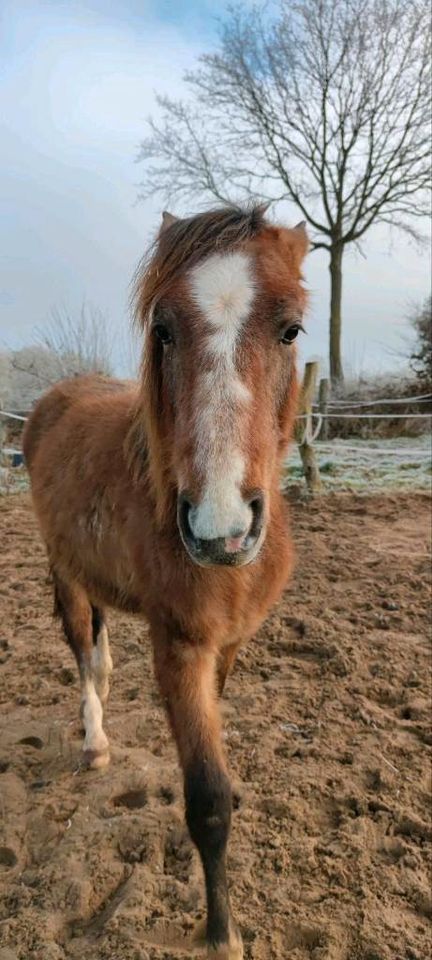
x: 187, y: 241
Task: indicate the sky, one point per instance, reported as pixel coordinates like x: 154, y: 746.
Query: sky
x: 78, y: 83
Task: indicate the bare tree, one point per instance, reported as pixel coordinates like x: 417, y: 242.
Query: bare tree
x: 32, y: 370
x: 326, y: 105
x: 66, y: 346
x: 79, y: 343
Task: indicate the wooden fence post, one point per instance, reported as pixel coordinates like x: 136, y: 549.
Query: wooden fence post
x: 304, y: 428
x: 324, y: 393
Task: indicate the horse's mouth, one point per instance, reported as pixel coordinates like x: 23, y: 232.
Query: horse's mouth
x: 221, y: 551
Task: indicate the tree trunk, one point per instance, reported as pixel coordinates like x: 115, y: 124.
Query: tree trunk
x: 336, y: 371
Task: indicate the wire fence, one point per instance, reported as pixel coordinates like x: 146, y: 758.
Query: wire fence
x: 333, y: 449
x: 342, y: 404
x: 337, y: 456
x: 12, y: 416
x: 422, y: 398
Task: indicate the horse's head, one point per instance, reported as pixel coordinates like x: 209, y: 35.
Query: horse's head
x: 221, y: 302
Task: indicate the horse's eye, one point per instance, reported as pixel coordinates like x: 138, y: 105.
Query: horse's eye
x: 162, y: 333
x: 290, y: 333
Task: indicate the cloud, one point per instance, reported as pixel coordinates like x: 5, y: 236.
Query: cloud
x: 78, y: 84
x: 77, y: 90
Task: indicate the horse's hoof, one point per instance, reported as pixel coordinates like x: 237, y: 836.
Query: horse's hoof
x: 223, y: 951
x: 226, y: 951
x: 96, y: 759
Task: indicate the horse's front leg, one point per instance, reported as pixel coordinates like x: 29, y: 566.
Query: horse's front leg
x: 186, y: 673
x: 87, y: 636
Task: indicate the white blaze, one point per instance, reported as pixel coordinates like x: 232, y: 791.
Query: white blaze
x: 223, y: 289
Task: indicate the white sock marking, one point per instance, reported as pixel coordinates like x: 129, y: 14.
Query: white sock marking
x: 95, y: 738
x: 101, y: 664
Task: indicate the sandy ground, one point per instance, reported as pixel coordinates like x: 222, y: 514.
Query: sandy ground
x: 326, y: 721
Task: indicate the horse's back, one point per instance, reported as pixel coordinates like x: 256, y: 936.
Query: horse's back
x: 81, y: 392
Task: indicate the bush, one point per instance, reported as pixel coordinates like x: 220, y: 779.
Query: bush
x: 421, y: 357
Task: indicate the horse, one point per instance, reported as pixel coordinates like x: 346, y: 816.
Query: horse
x: 162, y: 497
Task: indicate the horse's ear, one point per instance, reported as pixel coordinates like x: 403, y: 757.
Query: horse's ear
x: 263, y: 207
x: 300, y: 240
x: 167, y: 221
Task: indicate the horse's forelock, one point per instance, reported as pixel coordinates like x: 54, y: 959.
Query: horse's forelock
x: 184, y: 243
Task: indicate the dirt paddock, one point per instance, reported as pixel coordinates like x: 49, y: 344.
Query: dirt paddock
x: 326, y: 726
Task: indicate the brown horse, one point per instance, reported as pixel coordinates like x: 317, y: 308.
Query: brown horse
x: 163, y: 498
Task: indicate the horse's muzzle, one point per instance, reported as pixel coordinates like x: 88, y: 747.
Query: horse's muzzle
x: 235, y: 550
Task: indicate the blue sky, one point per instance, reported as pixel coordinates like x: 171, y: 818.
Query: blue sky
x: 78, y: 82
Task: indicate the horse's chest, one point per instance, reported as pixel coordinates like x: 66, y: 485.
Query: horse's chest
x: 233, y: 616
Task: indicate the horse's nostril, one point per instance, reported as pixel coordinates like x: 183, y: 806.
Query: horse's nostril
x: 256, y: 504
x: 184, y: 507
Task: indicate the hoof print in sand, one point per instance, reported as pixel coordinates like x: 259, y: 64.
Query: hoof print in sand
x: 178, y: 854
x: 34, y: 742
x: 8, y: 858
x: 132, y: 799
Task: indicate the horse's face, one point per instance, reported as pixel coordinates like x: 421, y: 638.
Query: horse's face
x: 225, y: 355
